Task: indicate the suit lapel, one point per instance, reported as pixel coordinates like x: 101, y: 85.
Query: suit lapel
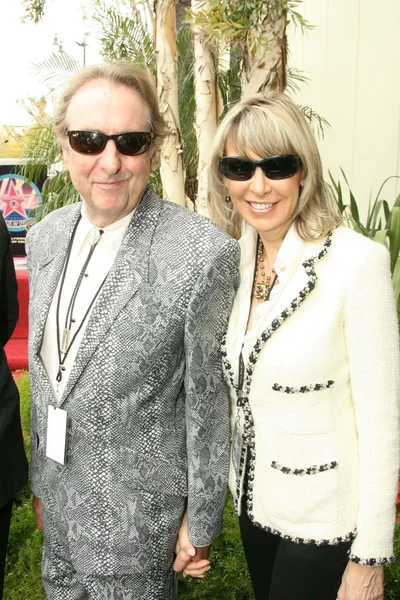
x: 297, y: 290
x: 130, y: 269
x: 298, y: 279
x: 51, y: 263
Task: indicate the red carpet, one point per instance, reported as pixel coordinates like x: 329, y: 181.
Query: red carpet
x: 17, y: 348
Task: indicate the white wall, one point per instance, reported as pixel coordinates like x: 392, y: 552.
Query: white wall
x: 352, y: 58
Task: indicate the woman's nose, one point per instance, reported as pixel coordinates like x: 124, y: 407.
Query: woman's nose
x: 260, y: 184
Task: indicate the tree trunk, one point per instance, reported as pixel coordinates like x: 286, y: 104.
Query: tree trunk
x: 206, y: 94
x: 264, y: 65
x: 143, y: 10
x: 171, y: 163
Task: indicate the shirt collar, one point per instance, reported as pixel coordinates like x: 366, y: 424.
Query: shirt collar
x: 115, y: 230
x: 288, y: 256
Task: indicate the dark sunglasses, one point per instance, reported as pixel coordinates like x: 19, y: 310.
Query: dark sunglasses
x: 131, y: 143
x: 273, y: 167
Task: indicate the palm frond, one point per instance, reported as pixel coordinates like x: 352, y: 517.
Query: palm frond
x: 295, y: 77
x: 124, y: 37
x: 56, y: 69
x: 317, y: 122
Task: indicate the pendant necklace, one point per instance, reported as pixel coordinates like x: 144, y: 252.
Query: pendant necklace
x: 63, y: 342
x: 262, y: 289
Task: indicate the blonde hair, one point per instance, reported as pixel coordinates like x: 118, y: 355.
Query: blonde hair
x: 269, y: 126
x: 122, y: 72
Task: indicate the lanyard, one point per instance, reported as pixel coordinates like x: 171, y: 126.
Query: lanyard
x: 64, y: 346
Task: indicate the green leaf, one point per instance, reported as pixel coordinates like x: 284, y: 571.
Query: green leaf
x: 394, y: 236
x: 359, y: 227
x: 386, y: 211
x: 353, y: 204
x: 381, y: 236
x: 396, y: 284
x: 354, y: 209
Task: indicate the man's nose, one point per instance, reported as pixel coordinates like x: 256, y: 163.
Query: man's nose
x: 110, y: 158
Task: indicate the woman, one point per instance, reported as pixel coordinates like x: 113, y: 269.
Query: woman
x: 312, y: 363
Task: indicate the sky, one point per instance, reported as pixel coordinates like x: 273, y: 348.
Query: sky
x: 22, y: 44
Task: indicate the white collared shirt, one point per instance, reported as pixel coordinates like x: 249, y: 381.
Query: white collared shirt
x: 285, y: 264
x: 100, y: 263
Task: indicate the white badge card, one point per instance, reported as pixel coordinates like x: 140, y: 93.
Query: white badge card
x: 56, y: 443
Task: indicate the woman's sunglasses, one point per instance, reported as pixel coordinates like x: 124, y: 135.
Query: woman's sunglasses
x: 131, y: 143
x: 273, y: 167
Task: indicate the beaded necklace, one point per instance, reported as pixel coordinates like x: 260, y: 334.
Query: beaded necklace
x: 262, y: 289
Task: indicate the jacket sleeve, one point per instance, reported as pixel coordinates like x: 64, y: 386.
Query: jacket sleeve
x: 371, y: 332
x: 8, y: 291
x: 207, y: 408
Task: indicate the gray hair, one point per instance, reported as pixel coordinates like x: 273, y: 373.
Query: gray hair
x: 125, y: 73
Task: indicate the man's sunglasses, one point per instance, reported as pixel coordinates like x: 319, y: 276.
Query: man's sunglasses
x: 273, y: 167
x: 131, y: 143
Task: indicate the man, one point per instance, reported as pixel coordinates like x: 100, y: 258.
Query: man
x: 13, y: 464
x: 130, y: 296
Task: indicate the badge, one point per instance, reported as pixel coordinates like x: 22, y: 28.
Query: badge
x: 56, y: 443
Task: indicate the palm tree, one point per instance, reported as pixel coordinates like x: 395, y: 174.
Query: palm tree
x: 130, y: 36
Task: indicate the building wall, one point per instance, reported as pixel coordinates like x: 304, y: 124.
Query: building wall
x: 352, y: 58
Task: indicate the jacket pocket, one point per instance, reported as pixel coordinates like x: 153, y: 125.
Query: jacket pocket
x: 303, y: 409
x: 303, y: 479
x: 303, y: 389
x: 132, y: 550
x: 149, y: 504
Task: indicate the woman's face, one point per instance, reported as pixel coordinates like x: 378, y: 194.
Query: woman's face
x: 265, y: 204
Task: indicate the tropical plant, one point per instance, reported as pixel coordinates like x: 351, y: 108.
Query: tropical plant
x: 11, y: 145
x: 41, y: 148
x: 134, y: 41
x: 257, y: 32
x: 124, y: 32
x: 382, y: 224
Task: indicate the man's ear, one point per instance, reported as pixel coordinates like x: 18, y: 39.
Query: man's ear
x: 154, y: 159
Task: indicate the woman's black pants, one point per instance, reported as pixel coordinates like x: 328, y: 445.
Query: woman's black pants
x: 5, y: 518
x: 283, y: 570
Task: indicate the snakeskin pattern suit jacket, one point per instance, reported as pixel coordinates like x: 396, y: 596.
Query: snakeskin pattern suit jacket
x: 147, y: 407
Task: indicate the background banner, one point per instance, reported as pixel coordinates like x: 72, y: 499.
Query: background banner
x: 20, y: 200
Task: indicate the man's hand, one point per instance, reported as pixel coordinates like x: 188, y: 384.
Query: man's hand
x: 361, y: 582
x: 189, y: 559
x: 37, y: 508
x: 199, y: 565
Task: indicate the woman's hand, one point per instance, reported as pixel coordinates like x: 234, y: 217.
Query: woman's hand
x: 189, y: 559
x: 360, y: 582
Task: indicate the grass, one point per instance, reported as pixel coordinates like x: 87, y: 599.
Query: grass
x: 227, y: 580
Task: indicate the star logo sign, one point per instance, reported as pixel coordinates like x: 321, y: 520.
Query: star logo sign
x: 13, y: 201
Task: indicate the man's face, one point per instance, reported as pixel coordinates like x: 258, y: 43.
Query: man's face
x: 111, y: 184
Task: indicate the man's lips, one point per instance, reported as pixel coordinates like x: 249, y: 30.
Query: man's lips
x: 110, y: 184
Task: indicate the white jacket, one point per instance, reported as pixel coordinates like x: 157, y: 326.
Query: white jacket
x: 319, y: 416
